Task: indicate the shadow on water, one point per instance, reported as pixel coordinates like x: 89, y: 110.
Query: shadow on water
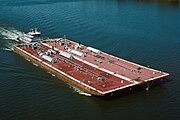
x: 161, y: 2
x: 124, y: 102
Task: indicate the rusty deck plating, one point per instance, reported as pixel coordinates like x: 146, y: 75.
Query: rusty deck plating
x: 89, y: 67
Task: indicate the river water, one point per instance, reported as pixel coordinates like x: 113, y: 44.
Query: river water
x: 147, y: 33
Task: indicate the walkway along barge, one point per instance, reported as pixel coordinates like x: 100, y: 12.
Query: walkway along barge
x: 87, y: 68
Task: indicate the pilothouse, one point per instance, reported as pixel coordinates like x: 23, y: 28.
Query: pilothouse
x: 34, y: 32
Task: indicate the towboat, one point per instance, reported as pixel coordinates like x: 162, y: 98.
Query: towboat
x: 32, y: 36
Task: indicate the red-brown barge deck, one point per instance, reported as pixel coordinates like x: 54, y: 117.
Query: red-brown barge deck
x: 87, y: 68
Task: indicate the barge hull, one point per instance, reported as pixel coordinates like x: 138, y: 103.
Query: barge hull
x: 88, y: 69
x: 75, y: 84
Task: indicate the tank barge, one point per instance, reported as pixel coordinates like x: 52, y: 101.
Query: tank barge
x: 86, y: 68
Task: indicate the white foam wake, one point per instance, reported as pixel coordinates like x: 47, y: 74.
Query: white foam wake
x: 51, y: 74
x: 10, y: 33
x: 80, y: 92
x: 9, y: 46
x: 7, y: 49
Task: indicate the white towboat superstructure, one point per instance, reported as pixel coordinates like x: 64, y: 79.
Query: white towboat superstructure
x: 33, y: 36
x: 34, y: 32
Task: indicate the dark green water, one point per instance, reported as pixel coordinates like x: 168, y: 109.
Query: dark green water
x: 147, y: 33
